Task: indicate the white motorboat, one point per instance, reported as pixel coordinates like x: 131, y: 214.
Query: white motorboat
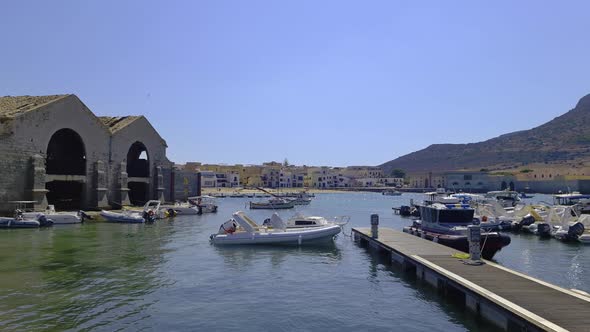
x: 243, y: 230
x: 150, y: 212
x: 20, y: 220
x: 58, y: 218
x: 273, y: 203
x: 300, y: 199
x: 194, y: 205
x: 391, y: 193
x: 506, y: 198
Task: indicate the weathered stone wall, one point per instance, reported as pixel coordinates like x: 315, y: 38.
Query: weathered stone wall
x: 28, y: 135
x: 139, y: 130
x: 31, y: 133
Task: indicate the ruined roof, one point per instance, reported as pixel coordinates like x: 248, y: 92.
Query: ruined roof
x: 118, y: 122
x: 13, y: 106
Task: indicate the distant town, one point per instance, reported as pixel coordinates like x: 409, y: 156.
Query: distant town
x: 284, y: 175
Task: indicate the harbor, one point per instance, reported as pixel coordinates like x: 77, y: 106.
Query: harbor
x: 158, y: 275
x: 508, y: 299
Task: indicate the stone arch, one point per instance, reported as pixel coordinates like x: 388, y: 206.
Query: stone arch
x: 138, y: 161
x: 138, y: 172
x: 66, y: 153
x: 65, y: 166
x: 504, y: 185
x: 511, y: 186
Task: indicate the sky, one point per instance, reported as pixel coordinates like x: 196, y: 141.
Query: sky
x: 334, y: 83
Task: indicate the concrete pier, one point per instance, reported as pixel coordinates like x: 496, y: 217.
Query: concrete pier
x: 509, y: 299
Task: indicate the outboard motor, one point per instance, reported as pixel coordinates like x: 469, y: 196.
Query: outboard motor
x: 149, y: 216
x: 44, y: 222
x: 527, y: 220
x: 83, y: 216
x: 575, y: 230
x: 544, y: 229
x: 228, y: 227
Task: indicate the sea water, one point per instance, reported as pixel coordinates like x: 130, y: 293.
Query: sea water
x: 167, y: 276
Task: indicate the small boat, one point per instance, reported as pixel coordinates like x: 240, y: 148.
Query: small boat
x: 19, y: 221
x: 243, y: 230
x: 58, y: 218
x: 580, y: 202
x: 300, y: 199
x: 237, y: 195
x: 273, y: 203
x: 148, y: 214
x: 193, y: 205
x: 506, y: 198
x: 390, y: 192
x: 447, y: 225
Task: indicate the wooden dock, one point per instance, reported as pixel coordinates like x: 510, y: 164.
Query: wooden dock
x: 511, y: 300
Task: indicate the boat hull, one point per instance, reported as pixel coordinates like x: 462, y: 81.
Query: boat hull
x: 57, y: 218
x: 288, y: 237
x: 122, y: 218
x: 13, y: 223
x: 255, y: 206
x: 491, y: 243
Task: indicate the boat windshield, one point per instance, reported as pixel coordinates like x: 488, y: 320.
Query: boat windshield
x: 455, y: 216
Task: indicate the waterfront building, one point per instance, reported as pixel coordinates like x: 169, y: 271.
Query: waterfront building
x: 56, y: 151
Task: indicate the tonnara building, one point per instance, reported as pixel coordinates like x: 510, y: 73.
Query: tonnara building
x: 54, y: 150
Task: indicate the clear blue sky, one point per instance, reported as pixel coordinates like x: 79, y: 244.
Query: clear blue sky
x: 318, y: 82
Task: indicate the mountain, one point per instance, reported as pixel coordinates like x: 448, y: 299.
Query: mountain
x: 565, y: 138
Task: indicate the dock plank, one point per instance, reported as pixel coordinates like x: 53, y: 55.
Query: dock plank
x: 554, y: 304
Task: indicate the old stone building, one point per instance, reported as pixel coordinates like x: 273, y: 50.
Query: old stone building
x: 54, y: 150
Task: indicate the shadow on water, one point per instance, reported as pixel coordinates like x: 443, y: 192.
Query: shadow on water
x: 239, y: 256
x: 455, y: 309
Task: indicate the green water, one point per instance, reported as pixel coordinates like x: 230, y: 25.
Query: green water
x: 167, y: 276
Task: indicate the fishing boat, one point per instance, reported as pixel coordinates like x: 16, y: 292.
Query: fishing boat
x: 447, y: 225
x: 241, y: 229
x: 148, y: 214
x: 273, y: 203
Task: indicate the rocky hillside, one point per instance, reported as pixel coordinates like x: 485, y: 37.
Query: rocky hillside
x: 564, y: 138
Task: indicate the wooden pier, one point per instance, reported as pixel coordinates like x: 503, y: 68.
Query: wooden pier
x: 511, y: 300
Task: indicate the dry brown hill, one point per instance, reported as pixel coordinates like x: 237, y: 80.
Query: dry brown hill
x: 564, y: 138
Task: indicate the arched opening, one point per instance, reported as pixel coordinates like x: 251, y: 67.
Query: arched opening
x: 66, y: 156
x: 511, y: 185
x: 138, y: 165
x: 138, y: 172
x: 504, y: 185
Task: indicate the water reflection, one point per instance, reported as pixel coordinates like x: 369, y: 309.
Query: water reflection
x: 77, y: 277
x: 240, y: 256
